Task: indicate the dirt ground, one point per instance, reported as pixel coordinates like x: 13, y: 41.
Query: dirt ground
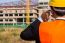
x: 12, y: 35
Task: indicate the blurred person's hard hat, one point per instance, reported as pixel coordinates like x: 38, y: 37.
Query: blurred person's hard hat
x: 57, y: 3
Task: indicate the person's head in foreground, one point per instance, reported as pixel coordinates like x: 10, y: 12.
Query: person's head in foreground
x: 57, y: 7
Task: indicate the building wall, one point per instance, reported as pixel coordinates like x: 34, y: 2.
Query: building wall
x: 15, y: 15
x: 43, y: 6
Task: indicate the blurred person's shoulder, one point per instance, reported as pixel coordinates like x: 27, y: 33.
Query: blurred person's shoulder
x: 47, y: 23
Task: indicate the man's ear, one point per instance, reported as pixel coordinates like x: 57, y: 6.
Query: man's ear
x: 53, y: 14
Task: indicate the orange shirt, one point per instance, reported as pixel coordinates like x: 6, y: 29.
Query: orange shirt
x: 52, y: 32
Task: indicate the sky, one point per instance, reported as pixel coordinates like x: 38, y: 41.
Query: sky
x: 33, y: 2
x: 3, y: 1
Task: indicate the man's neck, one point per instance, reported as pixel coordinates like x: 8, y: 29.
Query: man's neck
x: 62, y: 17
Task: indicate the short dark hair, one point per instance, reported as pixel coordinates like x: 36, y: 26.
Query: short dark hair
x: 60, y: 11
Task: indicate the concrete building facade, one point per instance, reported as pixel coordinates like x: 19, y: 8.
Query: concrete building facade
x: 13, y: 15
x: 43, y: 6
x: 16, y: 15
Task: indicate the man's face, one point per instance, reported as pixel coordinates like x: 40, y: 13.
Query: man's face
x: 47, y: 16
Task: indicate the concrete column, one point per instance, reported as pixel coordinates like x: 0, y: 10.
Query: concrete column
x: 13, y: 21
x: 33, y: 15
x: 13, y: 15
x: 3, y: 22
x: 16, y: 20
x: 3, y: 19
x: 8, y: 15
x: 3, y: 15
x: 23, y: 18
x: 18, y: 14
x: 8, y: 20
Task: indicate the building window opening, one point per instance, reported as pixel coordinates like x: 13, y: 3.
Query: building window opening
x: 20, y: 14
x: 10, y: 20
x: 1, y: 20
x: 6, y: 14
x: 41, y: 3
x: 45, y: 3
x: 1, y: 14
x: 25, y: 14
x: 24, y: 19
x: 10, y: 14
x: 16, y: 11
x: 16, y: 14
x: 6, y: 19
x: 31, y: 14
x: 19, y: 19
x: 1, y: 11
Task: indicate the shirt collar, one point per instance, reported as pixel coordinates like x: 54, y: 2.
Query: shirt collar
x: 40, y: 19
x: 60, y: 18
